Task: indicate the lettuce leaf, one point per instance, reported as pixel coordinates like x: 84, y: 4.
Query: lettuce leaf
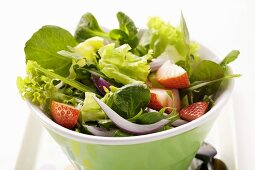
x: 88, y: 49
x: 123, y: 66
x: 165, y: 34
x: 90, y: 110
x: 39, y: 87
x: 36, y: 87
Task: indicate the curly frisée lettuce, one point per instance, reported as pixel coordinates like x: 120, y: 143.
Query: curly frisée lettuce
x: 123, y: 66
x: 164, y: 36
x: 39, y: 88
x: 61, y: 69
x: 36, y: 87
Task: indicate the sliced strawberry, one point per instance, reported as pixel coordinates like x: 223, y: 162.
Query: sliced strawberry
x: 64, y: 115
x: 194, y: 111
x: 172, y: 76
x: 164, y: 98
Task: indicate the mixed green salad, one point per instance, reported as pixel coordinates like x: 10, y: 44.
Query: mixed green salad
x: 120, y: 82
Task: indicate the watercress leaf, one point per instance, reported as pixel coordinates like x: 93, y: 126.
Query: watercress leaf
x: 43, y: 46
x: 88, y: 27
x: 230, y: 58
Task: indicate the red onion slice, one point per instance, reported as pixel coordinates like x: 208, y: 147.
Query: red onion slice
x: 97, y: 131
x: 100, y: 83
x: 127, y: 126
x: 179, y: 122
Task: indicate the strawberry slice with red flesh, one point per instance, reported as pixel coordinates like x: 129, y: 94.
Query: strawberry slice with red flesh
x: 172, y: 76
x: 64, y: 115
x: 194, y: 111
x: 161, y: 98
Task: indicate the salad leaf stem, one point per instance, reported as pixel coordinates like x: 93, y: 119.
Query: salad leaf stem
x: 205, y: 83
x: 70, y: 82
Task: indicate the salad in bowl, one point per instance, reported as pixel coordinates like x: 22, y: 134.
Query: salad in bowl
x: 120, y: 82
x: 125, y: 98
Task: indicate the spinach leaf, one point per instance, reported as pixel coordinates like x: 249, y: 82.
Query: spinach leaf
x: 88, y: 27
x: 43, y: 46
x: 128, y: 100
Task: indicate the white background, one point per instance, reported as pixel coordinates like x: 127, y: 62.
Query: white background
x: 221, y: 25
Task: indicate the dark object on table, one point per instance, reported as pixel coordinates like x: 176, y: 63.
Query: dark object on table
x: 206, y: 154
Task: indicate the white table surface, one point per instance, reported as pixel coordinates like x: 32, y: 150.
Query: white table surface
x: 222, y: 25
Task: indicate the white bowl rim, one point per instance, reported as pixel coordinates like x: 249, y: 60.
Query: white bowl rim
x: 85, y: 138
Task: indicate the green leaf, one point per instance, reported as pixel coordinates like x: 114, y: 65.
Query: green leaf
x: 123, y: 66
x: 119, y: 133
x: 88, y: 49
x: 174, y: 115
x: 200, y: 84
x: 206, y: 70
x: 39, y: 88
x: 70, y: 82
x: 90, y: 110
x: 43, y: 46
x: 126, y: 24
x: 117, y: 34
x: 185, y: 32
x: 128, y: 100
x: 232, y: 56
x: 150, y: 117
x: 164, y: 34
x: 88, y: 27
x: 127, y: 34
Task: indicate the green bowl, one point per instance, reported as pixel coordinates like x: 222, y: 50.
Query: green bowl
x: 172, y: 149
